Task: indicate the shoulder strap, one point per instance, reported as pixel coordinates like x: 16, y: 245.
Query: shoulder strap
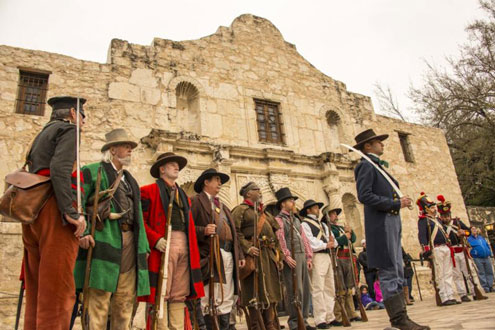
x: 261, y: 222
x: 317, y: 225
x: 163, y: 195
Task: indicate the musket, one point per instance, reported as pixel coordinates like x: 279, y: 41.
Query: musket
x: 417, y: 281
x: 477, y: 292
x: 255, y: 302
x: 339, y: 284
x: 364, y: 317
x: 78, y: 158
x: 214, y: 260
x: 432, y: 264
x: 159, y: 307
x: 19, y: 305
x: 295, y: 290
x: 89, y: 257
x: 382, y: 172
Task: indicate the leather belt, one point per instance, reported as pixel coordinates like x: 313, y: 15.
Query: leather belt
x: 126, y: 227
x: 227, y: 246
x: 327, y: 251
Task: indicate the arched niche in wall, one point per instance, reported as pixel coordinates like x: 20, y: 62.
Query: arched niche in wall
x: 335, y: 134
x: 188, y: 107
x: 352, y: 216
x: 188, y: 188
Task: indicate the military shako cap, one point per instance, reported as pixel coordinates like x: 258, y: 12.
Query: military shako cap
x: 208, y: 174
x: 282, y: 194
x: 443, y: 206
x: 307, y: 205
x: 423, y: 202
x: 166, y: 158
x: 66, y: 102
x: 116, y: 137
x: 367, y: 136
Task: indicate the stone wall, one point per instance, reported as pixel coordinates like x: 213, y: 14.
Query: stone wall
x: 196, y: 98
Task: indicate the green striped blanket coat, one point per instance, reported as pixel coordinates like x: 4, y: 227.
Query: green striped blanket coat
x: 105, y: 265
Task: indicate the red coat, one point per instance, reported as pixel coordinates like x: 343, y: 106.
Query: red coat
x: 155, y: 222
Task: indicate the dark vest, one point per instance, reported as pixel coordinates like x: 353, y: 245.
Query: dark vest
x: 298, y: 243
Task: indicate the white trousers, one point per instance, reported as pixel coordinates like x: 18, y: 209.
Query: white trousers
x: 322, y: 281
x: 460, y: 269
x: 444, y: 272
x: 228, y: 288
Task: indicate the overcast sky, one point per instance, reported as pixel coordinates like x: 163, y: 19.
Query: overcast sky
x: 358, y: 42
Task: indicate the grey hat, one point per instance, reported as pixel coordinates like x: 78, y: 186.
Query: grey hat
x: 117, y: 136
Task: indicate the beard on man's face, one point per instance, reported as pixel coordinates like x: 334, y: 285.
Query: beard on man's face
x: 126, y: 161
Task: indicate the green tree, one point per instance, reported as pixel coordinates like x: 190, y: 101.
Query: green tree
x: 460, y: 99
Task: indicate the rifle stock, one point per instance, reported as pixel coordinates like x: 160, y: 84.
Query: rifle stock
x: 157, y: 309
x: 255, y: 302
x: 339, y: 287
x: 295, y: 289
x: 362, y: 311
x: 432, y: 264
x: 89, y: 257
x: 477, y: 292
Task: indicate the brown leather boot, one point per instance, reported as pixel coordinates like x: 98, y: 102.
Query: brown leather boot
x: 396, y: 310
x: 269, y: 318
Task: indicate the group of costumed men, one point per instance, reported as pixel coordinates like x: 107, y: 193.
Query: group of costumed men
x: 191, y: 259
x: 444, y: 243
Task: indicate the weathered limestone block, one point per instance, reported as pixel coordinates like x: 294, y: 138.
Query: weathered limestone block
x: 124, y: 91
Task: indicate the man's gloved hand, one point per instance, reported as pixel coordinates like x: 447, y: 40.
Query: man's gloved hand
x: 161, y: 245
x: 427, y: 254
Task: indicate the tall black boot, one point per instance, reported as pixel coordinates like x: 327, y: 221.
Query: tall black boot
x: 397, y: 313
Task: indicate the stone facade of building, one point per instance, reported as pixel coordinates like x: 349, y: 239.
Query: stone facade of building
x: 197, y: 98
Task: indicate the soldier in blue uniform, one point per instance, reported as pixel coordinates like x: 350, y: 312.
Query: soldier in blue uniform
x: 383, y: 227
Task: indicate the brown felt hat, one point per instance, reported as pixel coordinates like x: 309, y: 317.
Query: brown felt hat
x: 367, y: 136
x: 166, y: 158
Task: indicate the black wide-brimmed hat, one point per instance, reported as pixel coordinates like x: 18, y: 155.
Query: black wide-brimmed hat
x: 367, y: 136
x: 307, y: 205
x: 282, y: 194
x: 66, y: 102
x: 208, y: 174
x: 166, y: 158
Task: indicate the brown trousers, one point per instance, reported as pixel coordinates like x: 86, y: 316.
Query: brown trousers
x: 50, y: 251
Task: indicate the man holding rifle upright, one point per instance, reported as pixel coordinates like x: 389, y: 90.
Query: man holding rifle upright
x: 51, y: 241
x: 297, y: 254
x: 183, y: 268
x: 383, y: 226
x: 266, y: 258
x: 321, y: 241
x: 118, y: 269
x: 435, y: 241
x: 219, y: 249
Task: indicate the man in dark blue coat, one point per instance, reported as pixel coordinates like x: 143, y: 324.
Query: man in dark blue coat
x: 383, y: 227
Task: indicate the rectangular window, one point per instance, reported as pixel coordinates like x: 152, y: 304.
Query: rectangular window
x: 406, y: 147
x: 31, y: 92
x: 269, y: 123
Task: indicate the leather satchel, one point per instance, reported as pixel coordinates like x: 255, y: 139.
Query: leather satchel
x: 25, y: 196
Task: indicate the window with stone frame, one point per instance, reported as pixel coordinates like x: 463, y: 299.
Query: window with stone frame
x: 269, y: 121
x: 406, y: 147
x: 31, y: 92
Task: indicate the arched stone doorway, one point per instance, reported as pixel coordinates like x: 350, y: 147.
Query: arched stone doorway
x: 352, y: 216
